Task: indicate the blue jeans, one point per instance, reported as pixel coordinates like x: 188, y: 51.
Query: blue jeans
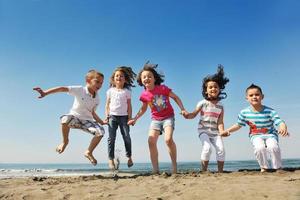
x: 113, y: 124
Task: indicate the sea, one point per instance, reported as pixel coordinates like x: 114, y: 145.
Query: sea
x: 18, y: 170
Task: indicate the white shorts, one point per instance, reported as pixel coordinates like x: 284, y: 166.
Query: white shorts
x: 89, y: 126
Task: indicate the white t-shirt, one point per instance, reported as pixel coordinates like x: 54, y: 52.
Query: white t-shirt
x: 118, y: 101
x: 84, y: 103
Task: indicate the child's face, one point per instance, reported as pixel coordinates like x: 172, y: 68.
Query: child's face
x: 148, y: 80
x: 119, y: 79
x: 254, y: 97
x: 212, y: 89
x: 95, y: 83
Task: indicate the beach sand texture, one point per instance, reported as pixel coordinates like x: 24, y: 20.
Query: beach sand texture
x: 232, y: 185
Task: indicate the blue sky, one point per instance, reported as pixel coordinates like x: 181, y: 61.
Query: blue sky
x: 50, y: 43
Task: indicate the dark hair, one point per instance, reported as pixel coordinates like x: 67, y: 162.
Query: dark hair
x: 219, y: 79
x: 159, y: 78
x: 253, y: 86
x: 128, y: 74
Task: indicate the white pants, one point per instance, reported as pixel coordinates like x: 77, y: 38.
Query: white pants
x: 263, y: 146
x: 208, y: 143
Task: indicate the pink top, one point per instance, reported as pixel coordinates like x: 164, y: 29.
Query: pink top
x: 159, y: 102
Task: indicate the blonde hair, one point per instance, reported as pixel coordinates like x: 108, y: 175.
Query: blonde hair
x: 93, y: 74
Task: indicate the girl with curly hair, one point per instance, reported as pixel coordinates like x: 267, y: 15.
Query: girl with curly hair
x: 211, y: 118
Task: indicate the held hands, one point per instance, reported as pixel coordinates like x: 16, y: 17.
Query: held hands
x: 39, y: 90
x: 105, y: 121
x: 224, y: 133
x: 282, y: 130
x: 184, y: 113
x: 131, y: 122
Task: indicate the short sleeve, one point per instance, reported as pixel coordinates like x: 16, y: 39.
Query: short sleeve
x: 241, y: 119
x: 128, y: 94
x: 75, y: 90
x: 108, y: 93
x: 165, y: 90
x: 143, y: 97
x: 200, y: 104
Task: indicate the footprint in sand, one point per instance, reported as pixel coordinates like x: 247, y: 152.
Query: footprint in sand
x: 67, y: 196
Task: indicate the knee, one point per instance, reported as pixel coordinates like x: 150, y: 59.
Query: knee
x: 169, y: 142
x: 259, y: 148
x: 273, y: 147
x: 127, y: 139
x: 221, y: 154
x: 98, y: 135
x: 151, y: 141
x: 206, y: 148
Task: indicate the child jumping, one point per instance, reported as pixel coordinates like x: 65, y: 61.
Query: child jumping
x: 82, y: 115
x: 211, y: 118
x: 262, y: 121
x: 157, y: 97
x: 118, y: 111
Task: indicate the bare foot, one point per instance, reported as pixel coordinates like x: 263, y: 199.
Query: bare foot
x: 262, y: 170
x: 129, y: 162
x: 111, y: 164
x: 280, y: 171
x: 60, y: 148
x: 90, y: 156
x: 155, y: 172
x: 117, y: 163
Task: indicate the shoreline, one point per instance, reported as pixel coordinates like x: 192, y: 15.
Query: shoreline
x: 123, y: 174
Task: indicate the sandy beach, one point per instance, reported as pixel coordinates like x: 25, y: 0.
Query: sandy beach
x: 231, y: 185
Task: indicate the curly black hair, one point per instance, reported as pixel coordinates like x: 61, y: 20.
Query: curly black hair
x: 128, y: 74
x: 159, y: 78
x: 220, y: 79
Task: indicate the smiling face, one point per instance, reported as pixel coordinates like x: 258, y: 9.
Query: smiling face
x: 254, y: 97
x: 148, y: 80
x: 119, y: 79
x: 94, y: 83
x: 212, y: 89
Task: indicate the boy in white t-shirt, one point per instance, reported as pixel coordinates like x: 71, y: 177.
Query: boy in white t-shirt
x: 82, y: 115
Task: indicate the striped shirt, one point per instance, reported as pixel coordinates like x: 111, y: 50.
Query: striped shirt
x: 260, y: 123
x: 209, y: 116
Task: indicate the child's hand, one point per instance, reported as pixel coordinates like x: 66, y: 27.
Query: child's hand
x: 184, y: 113
x: 131, y: 122
x: 224, y: 133
x: 106, y: 120
x: 282, y: 130
x: 39, y: 90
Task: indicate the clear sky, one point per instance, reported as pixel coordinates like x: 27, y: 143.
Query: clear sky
x: 51, y: 43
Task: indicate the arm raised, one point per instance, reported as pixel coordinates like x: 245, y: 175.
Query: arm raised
x: 50, y: 91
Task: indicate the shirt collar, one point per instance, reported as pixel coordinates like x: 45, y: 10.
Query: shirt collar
x: 88, y: 93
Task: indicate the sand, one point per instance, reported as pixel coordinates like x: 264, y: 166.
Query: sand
x: 231, y: 185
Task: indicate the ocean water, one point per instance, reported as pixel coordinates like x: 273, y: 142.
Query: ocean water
x: 10, y: 170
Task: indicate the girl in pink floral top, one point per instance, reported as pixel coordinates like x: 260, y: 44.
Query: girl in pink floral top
x: 157, y: 96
